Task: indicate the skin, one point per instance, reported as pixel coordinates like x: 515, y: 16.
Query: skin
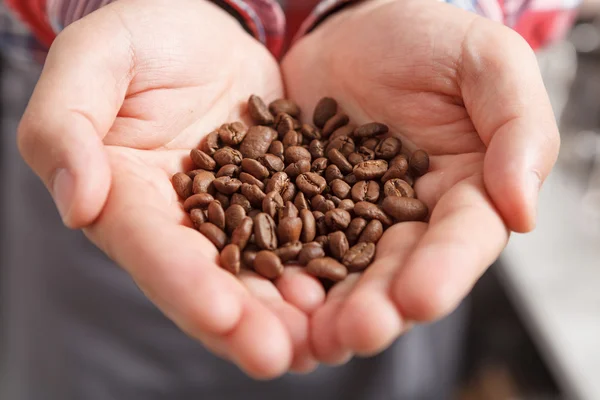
x: 114, y: 116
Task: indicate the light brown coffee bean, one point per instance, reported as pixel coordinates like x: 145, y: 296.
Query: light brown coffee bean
x: 326, y: 108
x: 355, y: 229
x: 276, y: 149
x: 419, y: 163
x: 255, y: 168
x: 334, y: 123
x: 284, y: 106
x: 234, y: 215
x: 192, y: 174
x: 241, y: 234
x: 405, y: 208
x: 254, y: 195
x: 327, y: 268
x: 347, y: 205
x: 214, y: 234
x: 388, y: 148
x: 296, y: 153
x: 309, y: 252
x: 371, y: 129
x: 289, y: 251
x: 355, y: 158
x: 272, y: 204
x: 289, y: 230
x: 371, y: 211
x: 198, y: 217
x: 265, y: 231
x: 230, y: 259
x: 397, y: 171
x: 310, y: 132
x: 311, y: 184
x: 359, y: 256
x: 372, y: 232
x: 202, y: 160
x: 232, y: 134
x: 203, y: 183
x: 278, y: 182
x: 227, y: 155
x: 248, y: 256
x: 346, y: 130
x: 366, y: 191
x: 268, y: 264
x: 368, y: 170
x: 337, y: 219
x: 309, y: 226
x: 323, y: 240
x: 200, y: 200
x: 182, y: 185
x: 283, y: 124
x: 227, y: 185
x: 300, y: 201
x: 338, y: 244
x: 371, y: 143
x: 211, y: 143
x: 241, y: 200
x: 291, y: 139
x: 259, y: 112
x: 344, y: 144
x: 272, y: 163
x: 230, y: 170
x: 400, y: 160
x: 332, y: 173
x: 289, y: 210
x: 250, y: 180
x: 338, y: 159
x: 319, y: 165
x: 297, y: 168
x: 257, y: 141
x: 289, y: 192
x: 216, y: 214
x: 320, y: 203
x: 223, y: 199
x: 316, y: 149
x: 340, y: 188
x: 398, y: 187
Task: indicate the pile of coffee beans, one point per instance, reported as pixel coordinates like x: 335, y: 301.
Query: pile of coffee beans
x: 282, y: 192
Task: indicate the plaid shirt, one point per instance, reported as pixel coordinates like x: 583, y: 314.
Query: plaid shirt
x: 538, y: 21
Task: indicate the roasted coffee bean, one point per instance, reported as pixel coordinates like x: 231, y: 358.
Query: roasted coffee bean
x: 405, y: 208
x: 192, y: 174
x: 200, y: 200
x: 278, y: 182
x: 284, y: 106
x: 338, y: 244
x: 316, y: 149
x: 327, y: 268
x: 394, y: 172
x: 372, y: 232
x: 398, y: 187
x: 248, y: 256
x: 388, y: 148
x: 346, y: 130
x: 310, y: 183
x: 336, y: 200
x: 337, y: 219
x: 344, y: 144
x: 319, y: 165
x: 373, y: 169
x: 366, y: 153
x: 259, y: 112
x: 216, y: 214
x: 338, y: 159
x: 253, y: 213
x: 182, y: 184
x: 268, y: 264
x: 230, y: 170
x: 254, y: 195
x: 272, y: 204
x: 371, y: 129
x: 309, y: 252
x: 310, y: 132
x: 289, y: 210
x: 292, y: 138
x: 230, y: 259
x: 355, y: 158
x: 332, y: 173
x: 289, y: 192
x: 232, y: 134
x: 366, y: 191
x: 227, y: 185
x: 241, y: 234
x: 355, y: 229
x: 409, y: 179
x: 289, y: 230
x: 350, y: 179
x: 265, y: 232
x: 371, y: 143
x: 296, y: 153
x: 359, y: 256
x: 340, y: 188
x: 371, y: 211
x: 272, y: 163
x: 419, y: 163
x: 211, y: 144
x: 283, y: 124
x: 297, y: 168
x: 309, y: 226
x: 347, y: 205
x: 276, y: 148
x: 223, y: 199
x: 257, y: 141
x: 400, y: 160
x: 198, y: 217
x: 255, y: 168
x: 320, y: 203
x: 202, y: 160
x: 214, y: 234
x: 322, y: 228
x: 250, y: 180
x: 289, y: 251
x: 227, y: 155
x: 333, y: 123
x: 233, y: 217
x: 203, y: 183
x: 300, y: 201
x: 323, y: 240
x: 241, y: 200
x: 326, y: 108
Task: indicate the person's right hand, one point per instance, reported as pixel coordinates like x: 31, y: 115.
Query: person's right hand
x: 125, y: 94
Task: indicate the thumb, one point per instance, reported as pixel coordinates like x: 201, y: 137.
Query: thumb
x: 74, y: 104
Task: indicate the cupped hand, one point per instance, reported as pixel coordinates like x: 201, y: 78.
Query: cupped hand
x: 124, y: 95
x: 469, y: 92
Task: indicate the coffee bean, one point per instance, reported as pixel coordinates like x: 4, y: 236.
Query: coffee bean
x: 202, y: 160
x: 325, y: 109
x: 284, y: 106
x: 289, y: 251
x: 272, y: 204
x: 276, y: 148
x: 347, y: 205
x: 371, y: 129
x: 398, y: 187
x: 310, y: 132
x: 216, y: 214
x: 405, y: 208
x: 267, y: 264
x: 232, y: 134
x: 371, y: 143
x: 359, y: 256
x: 365, y: 191
x: 371, y: 211
x: 289, y: 210
x: 271, y: 162
x: 327, y: 268
x: 323, y: 240
x: 309, y: 226
x: 332, y: 173
x: 340, y: 188
x: 300, y: 201
x: 200, y: 200
x: 311, y: 184
x: 278, y: 182
x: 257, y: 141
x: 289, y: 192
x: 338, y: 159
x: 223, y: 199
x: 203, y: 183
x: 214, y: 234
x: 198, y: 217
x: 355, y: 229
x: 346, y: 130
x: 419, y: 163
x: 322, y: 228
x: 192, y: 174
x: 233, y: 217
x: 250, y: 180
x: 350, y: 179
x: 319, y: 165
x: 338, y: 244
x: 334, y: 199
x: 334, y: 123
x: 320, y: 203
x: 366, y: 153
x: 400, y: 160
x: 227, y: 185
x: 373, y: 169
x: 344, y: 144
x: 227, y: 155
x: 211, y: 144
x: 355, y: 158
x: 316, y: 149
x: 231, y: 170
x: 289, y: 230
x: 182, y: 184
x: 230, y: 258
x: 292, y: 138
x: 296, y: 153
x: 297, y: 168
x: 309, y: 252
x: 283, y: 124
x: 337, y: 219
x: 248, y: 256
x: 264, y: 232
x: 394, y: 172
x: 372, y: 232
x: 388, y: 148
x: 254, y: 195
x: 255, y: 168
x: 253, y: 213
x: 242, y: 232
x: 241, y: 200
x: 259, y: 112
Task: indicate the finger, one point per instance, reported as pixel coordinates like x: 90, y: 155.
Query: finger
x: 465, y: 235
x: 369, y: 321
x: 506, y: 99
x: 301, y: 289
x: 73, y: 106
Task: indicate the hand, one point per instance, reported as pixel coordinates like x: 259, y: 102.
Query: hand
x: 124, y: 95
x: 469, y: 92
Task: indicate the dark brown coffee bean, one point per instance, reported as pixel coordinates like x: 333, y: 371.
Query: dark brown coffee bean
x: 255, y: 168
x: 227, y: 155
x: 325, y: 109
x: 289, y: 210
x: 372, y: 232
x: 355, y: 229
x: 320, y: 203
x: 366, y: 153
x: 319, y: 165
x: 241, y: 200
x: 200, y: 200
x: 327, y: 268
x: 198, y: 217
x: 350, y: 179
x: 240, y: 236
x: 338, y: 244
x: 272, y: 204
x: 227, y: 185
x: 359, y: 256
x: 264, y: 232
x: 366, y: 191
x: 257, y: 141
x: 278, y: 182
x: 230, y: 170
x: 334, y: 123
x: 355, y: 158
x: 296, y: 153
x: 388, y: 148
x: 182, y: 185
x: 347, y: 205
x: 276, y: 149
x: 400, y: 160
x: 309, y: 226
x: 316, y: 149
x: 322, y: 228
x: 283, y: 124
x: 419, y: 163
x: 259, y: 112
x: 297, y: 168
x: 202, y: 160
x: 289, y: 251
x: 394, y: 172
x: 409, y: 179
x: 268, y: 264
x: 311, y: 184
x: 232, y: 134
x: 323, y: 240
x: 309, y: 252
x: 291, y: 139
x: 344, y: 144
x: 332, y: 173
x: 289, y: 230
x: 230, y: 259
x: 284, y: 106
x: 233, y: 217
x: 337, y: 219
x: 192, y: 174
x: 248, y: 256
x: 371, y: 143
x: 398, y: 187
x: 373, y: 169
x: 310, y: 132
x: 340, y: 188
x: 211, y: 144
x: 254, y: 195
x: 272, y: 163
x: 300, y: 201
x: 371, y: 129
x: 371, y: 211
x: 203, y: 183
x: 338, y: 159
x: 216, y: 214
x: 223, y: 199
x: 346, y: 130
x: 250, y: 180
x: 214, y: 234
x: 334, y: 199
x: 405, y: 208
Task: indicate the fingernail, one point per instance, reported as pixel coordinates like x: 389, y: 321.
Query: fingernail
x: 62, y: 191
